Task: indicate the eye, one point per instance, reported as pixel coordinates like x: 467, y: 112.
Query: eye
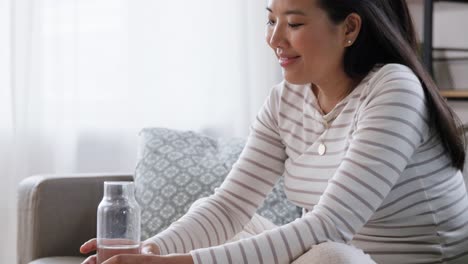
x: 270, y: 22
x: 293, y: 25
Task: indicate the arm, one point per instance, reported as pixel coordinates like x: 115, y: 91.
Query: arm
x: 225, y: 213
x: 389, y: 129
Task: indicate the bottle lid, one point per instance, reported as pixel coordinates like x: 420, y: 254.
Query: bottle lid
x: 118, y: 188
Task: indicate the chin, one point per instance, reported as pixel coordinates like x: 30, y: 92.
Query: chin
x: 295, y: 79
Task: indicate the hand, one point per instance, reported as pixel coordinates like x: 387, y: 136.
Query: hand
x: 147, y: 247
x: 150, y: 259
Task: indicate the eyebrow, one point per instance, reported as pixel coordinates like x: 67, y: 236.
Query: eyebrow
x: 289, y: 12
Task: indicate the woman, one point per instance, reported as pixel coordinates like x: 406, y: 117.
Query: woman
x: 365, y: 142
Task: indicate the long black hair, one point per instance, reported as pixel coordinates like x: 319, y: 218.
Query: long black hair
x: 387, y: 36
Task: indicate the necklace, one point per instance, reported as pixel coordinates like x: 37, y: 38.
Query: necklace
x: 322, y: 148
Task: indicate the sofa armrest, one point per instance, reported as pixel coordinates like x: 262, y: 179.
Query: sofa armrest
x: 57, y: 213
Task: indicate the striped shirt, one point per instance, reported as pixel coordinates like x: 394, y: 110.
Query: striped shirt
x: 385, y: 184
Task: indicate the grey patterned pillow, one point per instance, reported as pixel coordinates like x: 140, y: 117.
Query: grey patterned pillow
x: 176, y: 168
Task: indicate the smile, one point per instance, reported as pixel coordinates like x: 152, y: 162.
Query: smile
x: 287, y: 61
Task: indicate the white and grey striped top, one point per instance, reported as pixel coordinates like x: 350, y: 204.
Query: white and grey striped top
x: 385, y: 183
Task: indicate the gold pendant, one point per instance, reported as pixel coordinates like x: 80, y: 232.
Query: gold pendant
x: 322, y: 149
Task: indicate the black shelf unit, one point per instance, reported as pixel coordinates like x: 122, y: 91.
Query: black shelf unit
x: 428, y: 48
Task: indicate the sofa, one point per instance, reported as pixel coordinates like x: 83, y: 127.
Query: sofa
x: 57, y: 213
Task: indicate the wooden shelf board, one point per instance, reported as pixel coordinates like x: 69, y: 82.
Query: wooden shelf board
x: 454, y: 94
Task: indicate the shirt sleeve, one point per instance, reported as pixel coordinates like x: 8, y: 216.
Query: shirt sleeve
x: 391, y: 125
x: 224, y: 214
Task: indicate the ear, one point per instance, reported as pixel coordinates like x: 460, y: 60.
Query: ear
x: 352, y: 27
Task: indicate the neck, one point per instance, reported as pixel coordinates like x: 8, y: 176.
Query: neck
x: 330, y: 92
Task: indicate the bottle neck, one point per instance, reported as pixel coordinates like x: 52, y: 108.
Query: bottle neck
x: 118, y: 190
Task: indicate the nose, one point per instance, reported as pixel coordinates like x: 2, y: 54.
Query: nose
x: 275, y: 37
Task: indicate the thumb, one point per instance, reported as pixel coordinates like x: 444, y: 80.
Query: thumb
x: 150, y: 248
x: 146, y: 250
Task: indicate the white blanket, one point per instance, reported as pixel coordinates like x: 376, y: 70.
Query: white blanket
x: 329, y: 252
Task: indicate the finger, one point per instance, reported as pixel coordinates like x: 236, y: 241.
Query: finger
x: 114, y: 260
x: 146, y: 250
x: 132, y: 258
x: 90, y: 260
x: 89, y: 246
x: 150, y: 248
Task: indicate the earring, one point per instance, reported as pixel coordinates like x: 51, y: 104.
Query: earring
x: 349, y: 41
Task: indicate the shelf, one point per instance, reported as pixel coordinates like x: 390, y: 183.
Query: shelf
x: 428, y: 22
x: 428, y: 48
x: 454, y: 94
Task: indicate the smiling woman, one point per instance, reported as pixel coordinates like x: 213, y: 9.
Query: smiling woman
x: 309, y: 46
x: 306, y: 41
x: 365, y: 143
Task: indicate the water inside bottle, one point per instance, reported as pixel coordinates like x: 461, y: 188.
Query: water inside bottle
x: 106, y: 252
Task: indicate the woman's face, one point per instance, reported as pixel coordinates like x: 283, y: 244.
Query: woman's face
x: 309, y: 46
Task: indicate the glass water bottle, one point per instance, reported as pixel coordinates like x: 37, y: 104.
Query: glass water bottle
x: 118, y: 221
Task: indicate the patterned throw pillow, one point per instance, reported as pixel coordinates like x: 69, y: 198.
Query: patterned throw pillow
x: 176, y: 168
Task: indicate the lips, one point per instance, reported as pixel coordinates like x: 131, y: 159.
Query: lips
x: 285, y: 61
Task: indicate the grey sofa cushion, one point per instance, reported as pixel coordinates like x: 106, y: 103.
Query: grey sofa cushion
x: 176, y: 168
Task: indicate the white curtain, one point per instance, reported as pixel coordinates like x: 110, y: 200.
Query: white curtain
x: 80, y: 78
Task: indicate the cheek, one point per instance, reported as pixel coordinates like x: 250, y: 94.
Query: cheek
x: 305, y: 44
x: 316, y: 45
